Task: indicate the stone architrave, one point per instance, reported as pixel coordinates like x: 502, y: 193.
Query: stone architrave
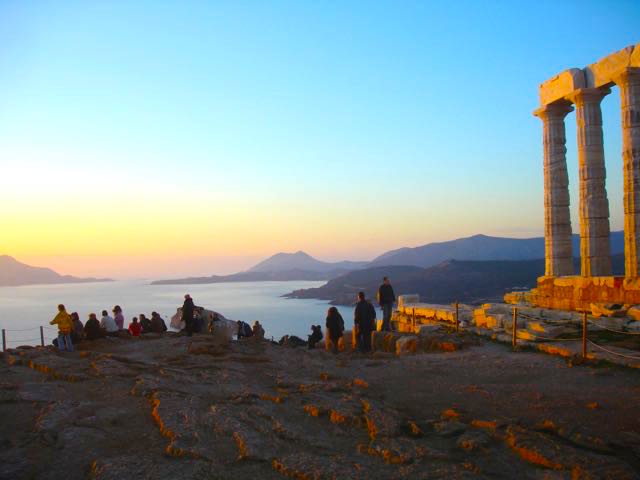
x: 557, y: 220
x: 629, y: 83
x: 595, y: 250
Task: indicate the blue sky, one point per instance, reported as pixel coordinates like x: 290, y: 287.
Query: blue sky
x: 379, y: 124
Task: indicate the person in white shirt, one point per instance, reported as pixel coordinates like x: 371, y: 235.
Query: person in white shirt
x: 108, y: 323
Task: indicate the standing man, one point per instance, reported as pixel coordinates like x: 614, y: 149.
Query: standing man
x: 364, y: 320
x: 187, y: 314
x: 65, y: 326
x: 386, y: 298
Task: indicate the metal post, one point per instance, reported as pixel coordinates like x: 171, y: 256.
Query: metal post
x: 514, y: 338
x: 4, y: 340
x: 584, y: 336
x: 457, y: 318
x: 41, y: 336
x: 413, y: 321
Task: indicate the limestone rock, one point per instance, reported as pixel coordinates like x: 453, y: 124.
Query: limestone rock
x: 406, y: 299
x: 406, y: 345
x: 608, y: 310
x: 634, y: 312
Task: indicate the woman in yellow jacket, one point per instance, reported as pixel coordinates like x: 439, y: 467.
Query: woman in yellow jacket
x: 65, y: 325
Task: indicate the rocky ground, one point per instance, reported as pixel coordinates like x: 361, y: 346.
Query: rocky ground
x: 176, y: 407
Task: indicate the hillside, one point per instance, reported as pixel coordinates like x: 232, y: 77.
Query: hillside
x: 283, y: 276
x: 480, y: 247
x: 450, y: 281
x: 302, y: 261
x: 14, y: 273
x: 279, y: 267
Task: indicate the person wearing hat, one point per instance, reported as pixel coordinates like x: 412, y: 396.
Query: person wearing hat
x: 187, y: 314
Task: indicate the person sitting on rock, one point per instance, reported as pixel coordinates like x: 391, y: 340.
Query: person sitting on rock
x: 118, y: 317
x: 244, y: 330
x: 157, y: 323
x: 135, y: 328
x: 315, y: 337
x: 292, y: 341
x: 108, y: 324
x: 92, y: 330
x: 258, y: 331
x: 335, y: 327
x: 145, y: 323
x: 77, y: 333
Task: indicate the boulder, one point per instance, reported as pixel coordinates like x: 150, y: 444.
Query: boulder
x: 609, y: 310
x: 385, y: 341
x: 634, y: 312
x: 406, y: 345
x: 408, y: 298
x: 424, y: 330
x: 541, y: 329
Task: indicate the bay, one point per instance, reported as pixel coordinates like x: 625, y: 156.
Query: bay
x: 29, y: 307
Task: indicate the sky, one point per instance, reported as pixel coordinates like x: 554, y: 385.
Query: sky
x: 165, y: 138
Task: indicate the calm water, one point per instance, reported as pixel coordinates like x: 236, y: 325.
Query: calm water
x: 32, y: 306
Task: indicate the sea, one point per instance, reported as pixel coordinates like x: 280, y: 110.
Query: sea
x: 24, y: 309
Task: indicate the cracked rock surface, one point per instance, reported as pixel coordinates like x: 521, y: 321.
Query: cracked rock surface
x: 178, y: 407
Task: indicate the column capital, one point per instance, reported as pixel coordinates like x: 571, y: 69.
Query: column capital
x: 554, y: 110
x: 627, y: 76
x: 588, y: 95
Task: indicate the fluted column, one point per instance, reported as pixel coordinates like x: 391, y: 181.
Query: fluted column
x: 595, y: 250
x: 557, y: 220
x: 629, y: 83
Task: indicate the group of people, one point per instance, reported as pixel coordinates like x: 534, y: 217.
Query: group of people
x: 71, y: 330
x: 194, y: 322
x: 364, y: 319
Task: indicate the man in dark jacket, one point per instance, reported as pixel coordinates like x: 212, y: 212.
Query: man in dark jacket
x: 145, y: 323
x: 187, y: 314
x: 92, y: 330
x: 157, y: 323
x: 386, y: 297
x: 364, y: 317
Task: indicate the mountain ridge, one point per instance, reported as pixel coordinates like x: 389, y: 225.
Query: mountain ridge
x: 467, y: 281
x: 14, y: 273
x: 479, y: 247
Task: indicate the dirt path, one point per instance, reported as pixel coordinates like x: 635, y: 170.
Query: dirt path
x: 179, y: 408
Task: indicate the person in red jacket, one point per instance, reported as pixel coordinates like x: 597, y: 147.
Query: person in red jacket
x: 135, y: 328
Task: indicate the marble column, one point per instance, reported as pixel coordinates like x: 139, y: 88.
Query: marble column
x: 557, y: 220
x: 629, y: 83
x: 595, y: 250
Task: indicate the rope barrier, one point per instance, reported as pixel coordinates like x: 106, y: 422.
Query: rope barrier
x: 24, y: 340
x: 21, y: 329
x: 633, y: 357
x: 612, y: 330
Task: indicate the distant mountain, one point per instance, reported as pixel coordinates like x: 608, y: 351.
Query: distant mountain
x: 250, y: 277
x: 14, y: 273
x: 279, y: 267
x: 302, y: 261
x: 452, y: 280
x: 480, y: 247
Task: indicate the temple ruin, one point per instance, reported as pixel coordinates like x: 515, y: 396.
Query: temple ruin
x: 584, y: 89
